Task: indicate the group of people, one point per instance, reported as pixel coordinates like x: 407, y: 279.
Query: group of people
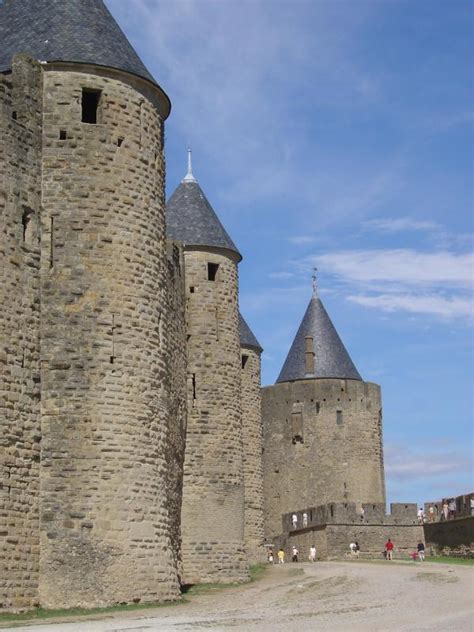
x: 304, y: 520
x: 294, y: 555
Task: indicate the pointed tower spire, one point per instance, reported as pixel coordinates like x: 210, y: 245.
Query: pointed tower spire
x: 315, y: 283
x: 189, y: 175
x: 317, y: 335
x: 77, y: 31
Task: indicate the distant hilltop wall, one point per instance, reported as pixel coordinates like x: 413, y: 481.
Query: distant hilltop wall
x: 323, y: 443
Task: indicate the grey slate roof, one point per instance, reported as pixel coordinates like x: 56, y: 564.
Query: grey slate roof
x: 331, y: 357
x: 247, y: 338
x: 65, y: 30
x: 192, y: 220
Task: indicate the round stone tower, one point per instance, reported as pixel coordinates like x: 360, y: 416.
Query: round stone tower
x: 252, y: 443
x: 213, y: 488
x: 105, y: 525
x: 322, y: 426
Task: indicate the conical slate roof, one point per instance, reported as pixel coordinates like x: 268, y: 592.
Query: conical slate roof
x: 331, y: 359
x: 68, y: 31
x: 191, y: 219
x: 247, y: 338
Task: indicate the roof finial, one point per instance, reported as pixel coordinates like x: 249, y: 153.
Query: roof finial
x: 189, y: 176
x: 315, y: 283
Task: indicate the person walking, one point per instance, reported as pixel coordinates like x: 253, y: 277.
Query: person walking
x: 281, y: 556
x: 431, y: 513
x: 452, y: 508
x: 421, y: 515
x: 294, y: 520
x: 305, y: 519
x: 312, y: 554
x: 270, y: 556
x: 445, y: 510
x: 420, y: 547
x: 357, y: 549
x: 294, y: 554
x: 389, y: 549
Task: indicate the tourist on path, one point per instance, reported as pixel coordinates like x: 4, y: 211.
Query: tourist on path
x: 294, y: 520
x: 445, y: 510
x: 305, y: 519
x: 281, y: 556
x: 312, y: 554
x: 421, y: 515
x: 389, y: 549
x: 294, y: 554
x: 420, y: 547
x: 270, y: 556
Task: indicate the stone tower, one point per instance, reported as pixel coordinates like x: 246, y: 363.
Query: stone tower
x: 88, y: 322
x: 252, y: 443
x: 213, y: 489
x: 322, y: 426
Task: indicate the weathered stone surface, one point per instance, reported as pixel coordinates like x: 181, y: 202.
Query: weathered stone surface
x: 213, y: 490
x: 20, y: 425
x: 252, y: 437
x: 323, y: 443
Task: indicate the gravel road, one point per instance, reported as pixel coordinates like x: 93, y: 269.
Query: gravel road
x: 326, y: 596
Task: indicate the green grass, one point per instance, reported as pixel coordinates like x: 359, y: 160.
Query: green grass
x: 446, y: 559
x: 43, y: 613
x: 256, y: 572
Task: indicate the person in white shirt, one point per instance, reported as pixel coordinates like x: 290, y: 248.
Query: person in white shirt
x: 294, y: 520
x: 312, y: 554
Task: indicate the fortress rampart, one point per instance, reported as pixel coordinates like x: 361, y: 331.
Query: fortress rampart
x: 323, y: 443
x: 333, y: 526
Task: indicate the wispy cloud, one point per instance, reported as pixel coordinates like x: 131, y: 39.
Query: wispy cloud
x: 406, y: 266
x: 436, y: 283
x: 425, y: 304
x: 406, y: 463
x: 400, y: 224
x: 301, y: 240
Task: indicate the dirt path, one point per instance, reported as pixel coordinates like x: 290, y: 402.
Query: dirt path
x: 329, y: 596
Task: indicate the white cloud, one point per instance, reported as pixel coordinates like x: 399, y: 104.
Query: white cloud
x: 405, y: 266
x: 416, y: 304
x: 405, y: 463
x: 400, y: 224
x: 301, y: 240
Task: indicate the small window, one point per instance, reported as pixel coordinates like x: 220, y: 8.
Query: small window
x: 90, y: 105
x: 212, y: 269
x: 318, y: 407
x: 62, y: 134
x: 27, y: 224
x: 339, y: 419
x: 194, y: 386
x: 244, y: 360
x: 14, y: 116
x: 191, y: 289
x: 120, y: 142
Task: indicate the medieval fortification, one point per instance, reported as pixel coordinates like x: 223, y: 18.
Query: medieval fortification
x: 138, y: 452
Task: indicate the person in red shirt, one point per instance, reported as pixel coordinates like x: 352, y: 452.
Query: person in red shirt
x: 389, y: 549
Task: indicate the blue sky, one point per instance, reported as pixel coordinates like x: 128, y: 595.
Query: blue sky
x: 339, y: 134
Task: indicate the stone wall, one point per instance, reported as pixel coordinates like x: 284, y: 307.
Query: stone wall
x: 105, y: 522
x: 451, y: 536
x: 20, y: 210
x: 323, y: 443
x: 213, y: 490
x: 334, y: 526
x: 175, y: 380
x: 252, y: 455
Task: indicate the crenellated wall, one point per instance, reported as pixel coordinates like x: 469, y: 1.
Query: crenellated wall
x: 323, y: 443
x: 252, y: 454
x: 213, y: 491
x: 20, y: 433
